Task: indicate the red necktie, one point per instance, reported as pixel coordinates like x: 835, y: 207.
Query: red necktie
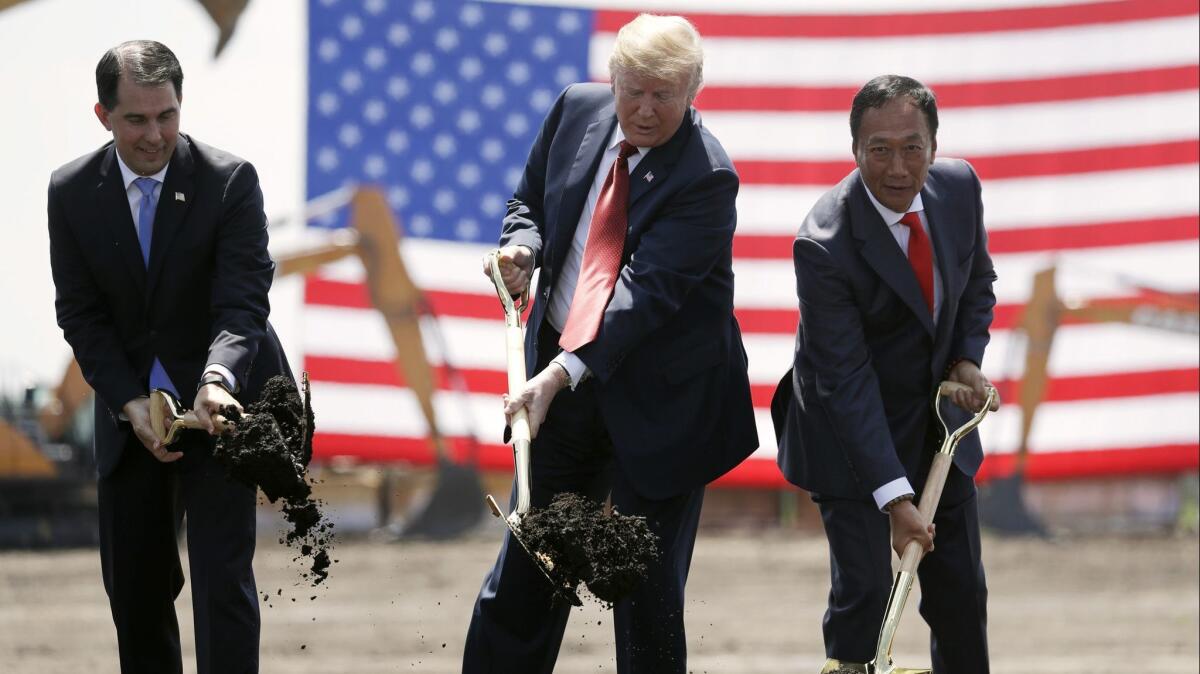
x: 601, y: 256
x: 920, y: 255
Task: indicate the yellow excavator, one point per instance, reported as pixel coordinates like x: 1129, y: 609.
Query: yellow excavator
x: 1002, y: 504
x: 45, y: 446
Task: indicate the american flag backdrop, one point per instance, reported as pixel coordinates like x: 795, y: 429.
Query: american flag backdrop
x: 1081, y: 119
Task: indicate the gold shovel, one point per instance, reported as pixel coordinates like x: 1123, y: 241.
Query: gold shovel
x: 913, y: 552
x: 168, y: 418
x: 519, y: 428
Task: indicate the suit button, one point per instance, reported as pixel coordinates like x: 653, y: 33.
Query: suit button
x: 545, y: 293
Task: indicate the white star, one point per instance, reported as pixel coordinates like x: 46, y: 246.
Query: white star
x: 397, y: 87
x: 444, y: 145
x: 468, y: 120
x: 375, y: 58
x: 375, y: 6
x: 519, y: 19
x: 518, y: 72
x: 447, y: 39
x: 493, y: 96
x: 397, y: 196
x: 375, y: 111
x: 445, y: 92
x: 327, y: 103
x: 568, y: 22
x: 422, y: 171
x: 491, y: 150
x: 422, y: 63
x: 328, y: 50
x: 467, y: 229
x: 327, y: 159
x: 541, y: 100
x: 470, y: 68
x: 399, y: 34
x: 444, y: 201
x: 349, y: 135
x: 492, y: 204
x: 495, y: 44
x: 471, y: 14
x: 543, y: 47
x: 375, y: 166
x: 351, y: 81
x: 420, y: 224
x: 516, y: 124
x: 421, y: 116
x: 352, y: 27
x: 397, y: 142
x: 513, y: 176
x: 566, y: 75
x: 423, y: 10
x: 469, y: 175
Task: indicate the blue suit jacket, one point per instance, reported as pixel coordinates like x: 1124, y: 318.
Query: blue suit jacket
x: 203, y: 299
x: 668, y: 358
x: 852, y: 413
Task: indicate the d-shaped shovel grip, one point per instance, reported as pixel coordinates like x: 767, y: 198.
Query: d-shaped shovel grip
x: 514, y: 339
x: 168, y: 418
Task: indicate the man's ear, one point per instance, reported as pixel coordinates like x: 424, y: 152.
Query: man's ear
x: 932, y: 150
x: 102, y: 115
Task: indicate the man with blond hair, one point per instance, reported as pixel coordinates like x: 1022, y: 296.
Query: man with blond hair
x: 637, y: 375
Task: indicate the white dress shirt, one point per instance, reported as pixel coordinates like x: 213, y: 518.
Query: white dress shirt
x: 901, y: 486
x: 564, y: 292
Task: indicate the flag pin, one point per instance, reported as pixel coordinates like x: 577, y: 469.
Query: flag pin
x: 179, y: 196
x: 649, y: 177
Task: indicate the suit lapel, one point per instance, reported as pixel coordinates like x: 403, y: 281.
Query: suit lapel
x: 173, y: 203
x: 880, y: 250
x: 654, y: 168
x: 941, y: 234
x: 112, y: 205
x: 579, y: 180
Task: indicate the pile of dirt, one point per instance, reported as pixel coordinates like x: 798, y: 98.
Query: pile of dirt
x: 609, y: 553
x: 269, y: 448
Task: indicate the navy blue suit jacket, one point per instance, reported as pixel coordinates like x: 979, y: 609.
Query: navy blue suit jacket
x: 852, y: 413
x: 203, y: 299
x: 668, y: 360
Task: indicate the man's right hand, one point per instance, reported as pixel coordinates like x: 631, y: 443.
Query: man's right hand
x: 908, y: 525
x: 516, y: 268
x: 138, y: 413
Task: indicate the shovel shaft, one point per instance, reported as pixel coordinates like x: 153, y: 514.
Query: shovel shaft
x: 520, y: 421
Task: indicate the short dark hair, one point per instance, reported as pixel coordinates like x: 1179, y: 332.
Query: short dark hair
x: 882, y: 90
x: 149, y: 63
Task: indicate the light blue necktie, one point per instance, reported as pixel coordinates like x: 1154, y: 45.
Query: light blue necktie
x: 158, y: 375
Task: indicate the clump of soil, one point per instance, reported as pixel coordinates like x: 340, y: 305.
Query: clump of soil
x: 269, y: 448
x: 609, y: 553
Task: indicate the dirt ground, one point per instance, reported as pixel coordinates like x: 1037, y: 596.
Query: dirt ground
x: 1094, y: 605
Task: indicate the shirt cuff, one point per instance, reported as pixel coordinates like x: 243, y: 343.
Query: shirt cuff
x: 226, y: 374
x: 898, y: 487
x: 576, y: 369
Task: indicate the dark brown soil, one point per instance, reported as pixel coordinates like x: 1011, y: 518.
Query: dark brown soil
x: 269, y: 448
x: 610, y: 554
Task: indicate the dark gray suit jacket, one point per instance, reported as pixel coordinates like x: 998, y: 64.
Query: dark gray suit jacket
x: 852, y: 413
x: 668, y: 358
x: 203, y: 299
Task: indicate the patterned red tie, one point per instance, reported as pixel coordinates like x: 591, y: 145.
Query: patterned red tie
x: 601, y: 256
x: 920, y: 256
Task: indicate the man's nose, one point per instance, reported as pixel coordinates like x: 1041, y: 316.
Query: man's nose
x: 896, y: 166
x: 153, y: 132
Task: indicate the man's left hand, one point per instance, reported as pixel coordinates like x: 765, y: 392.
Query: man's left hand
x: 537, y: 395
x: 967, y: 372
x: 209, y: 401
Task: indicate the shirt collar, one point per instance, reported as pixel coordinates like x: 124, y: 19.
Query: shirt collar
x: 129, y: 176
x: 889, y: 216
x: 617, y: 136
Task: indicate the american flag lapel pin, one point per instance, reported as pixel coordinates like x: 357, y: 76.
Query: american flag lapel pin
x: 179, y: 196
x: 649, y: 177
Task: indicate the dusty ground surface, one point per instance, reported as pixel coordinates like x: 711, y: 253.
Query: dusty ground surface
x: 1093, y: 605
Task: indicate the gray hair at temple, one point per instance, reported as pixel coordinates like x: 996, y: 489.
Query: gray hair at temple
x: 147, y: 62
x: 662, y: 47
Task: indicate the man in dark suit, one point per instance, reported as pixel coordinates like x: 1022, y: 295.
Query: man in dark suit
x: 638, y: 382
x: 895, y: 289
x: 158, y: 246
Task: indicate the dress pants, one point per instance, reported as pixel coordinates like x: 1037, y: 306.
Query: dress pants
x: 953, y: 588
x: 517, y: 626
x: 142, y: 505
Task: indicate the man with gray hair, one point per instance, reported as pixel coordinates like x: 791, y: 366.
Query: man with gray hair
x: 638, y: 388
x: 158, y: 247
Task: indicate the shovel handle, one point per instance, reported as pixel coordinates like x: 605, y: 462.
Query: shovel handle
x: 514, y: 338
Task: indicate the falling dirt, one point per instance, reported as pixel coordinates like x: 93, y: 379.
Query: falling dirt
x: 609, y: 553
x: 269, y: 447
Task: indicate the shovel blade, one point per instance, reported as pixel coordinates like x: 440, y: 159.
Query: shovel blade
x: 543, y: 563
x: 833, y: 666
